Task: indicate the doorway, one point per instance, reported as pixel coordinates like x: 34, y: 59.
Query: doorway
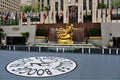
x: 73, y: 14
x: 116, y: 42
x: 16, y: 40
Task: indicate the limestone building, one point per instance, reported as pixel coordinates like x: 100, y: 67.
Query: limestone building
x: 27, y: 2
x: 9, y: 5
x: 79, y: 11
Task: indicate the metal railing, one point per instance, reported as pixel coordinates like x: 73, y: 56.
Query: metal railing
x: 113, y: 51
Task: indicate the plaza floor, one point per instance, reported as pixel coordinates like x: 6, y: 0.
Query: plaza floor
x: 89, y: 66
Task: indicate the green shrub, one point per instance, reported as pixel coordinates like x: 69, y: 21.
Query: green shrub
x: 47, y: 8
x: 25, y: 34
x: 41, y: 32
x: 9, y: 22
x: 2, y: 34
x: 1, y: 30
x: 101, y: 6
x: 94, y: 32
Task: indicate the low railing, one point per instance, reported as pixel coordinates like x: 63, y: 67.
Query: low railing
x: 62, y: 49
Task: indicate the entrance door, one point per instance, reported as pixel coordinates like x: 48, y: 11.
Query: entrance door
x: 59, y: 17
x: 15, y: 41
x: 73, y: 14
x: 116, y: 42
x: 0, y: 40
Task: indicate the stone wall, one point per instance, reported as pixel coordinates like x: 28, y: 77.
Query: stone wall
x: 81, y: 34
x: 78, y: 35
x: 107, y: 28
x: 13, y: 31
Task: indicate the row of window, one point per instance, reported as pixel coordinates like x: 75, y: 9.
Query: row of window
x: 56, y: 3
x: 69, y: 1
x: 10, y: 4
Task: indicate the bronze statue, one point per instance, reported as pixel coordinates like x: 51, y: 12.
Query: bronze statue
x: 65, y: 35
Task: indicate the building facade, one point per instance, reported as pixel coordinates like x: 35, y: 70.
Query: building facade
x: 9, y: 5
x: 79, y: 11
x: 28, y: 2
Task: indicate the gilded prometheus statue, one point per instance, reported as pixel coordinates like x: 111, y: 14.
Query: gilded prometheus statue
x: 65, y: 35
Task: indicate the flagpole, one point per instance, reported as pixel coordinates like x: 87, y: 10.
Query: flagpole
x: 97, y: 14
x: 111, y: 10
x: 1, y: 15
x: 52, y: 15
x: 106, y: 14
x: 102, y: 11
x: 117, y: 10
x: 106, y: 11
x: 80, y: 14
x: 0, y: 18
x: 102, y: 14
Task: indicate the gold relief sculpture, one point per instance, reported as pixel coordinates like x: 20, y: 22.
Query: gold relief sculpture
x: 65, y: 35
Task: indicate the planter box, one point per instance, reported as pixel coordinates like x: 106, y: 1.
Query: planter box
x: 95, y: 40
x: 40, y: 39
x: 95, y: 37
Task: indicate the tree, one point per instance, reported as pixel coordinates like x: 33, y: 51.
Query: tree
x: 38, y: 5
x: 34, y: 6
x: 25, y: 34
x: 114, y: 3
x: 47, y: 8
x: 102, y: 6
x: 22, y: 8
x: 26, y: 8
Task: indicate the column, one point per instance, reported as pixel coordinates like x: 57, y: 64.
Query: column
x: 104, y: 15
x: 41, y: 13
x: 20, y: 20
x: 100, y: 1
x: 52, y: 11
x: 80, y: 11
x: 59, y: 6
x: 95, y: 18
x: 28, y: 21
x: 72, y: 1
x: 105, y: 18
x: 109, y: 9
x: 47, y: 18
x: 65, y: 11
x: 87, y: 4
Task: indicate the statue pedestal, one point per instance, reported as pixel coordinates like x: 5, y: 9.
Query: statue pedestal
x: 66, y: 41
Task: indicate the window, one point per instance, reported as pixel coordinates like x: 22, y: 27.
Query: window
x: 48, y: 2
x: 76, y: 1
x: 56, y: 6
x: 102, y: 1
x: 69, y: 1
x: 84, y: 4
x: 62, y: 5
x: 42, y: 5
x: 98, y: 1
x: 90, y: 4
x: 107, y: 3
